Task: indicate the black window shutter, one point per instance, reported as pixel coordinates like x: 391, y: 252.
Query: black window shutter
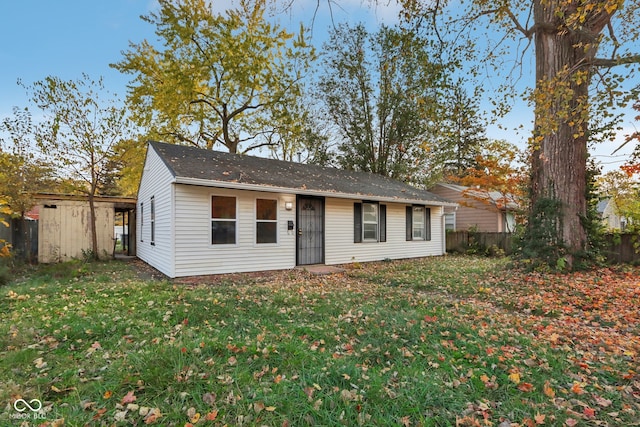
x: 383, y: 223
x: 357, y: 222
x: 427, y: 223
x: 409, y: 222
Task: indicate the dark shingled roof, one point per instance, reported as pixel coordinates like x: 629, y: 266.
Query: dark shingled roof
x: 195, y: 163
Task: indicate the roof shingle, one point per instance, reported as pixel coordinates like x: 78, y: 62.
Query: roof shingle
x: 218, y: 167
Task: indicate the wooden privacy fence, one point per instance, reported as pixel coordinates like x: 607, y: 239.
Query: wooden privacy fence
x: 619, y: 248
x: 622, y: 248
x: 22, y: 236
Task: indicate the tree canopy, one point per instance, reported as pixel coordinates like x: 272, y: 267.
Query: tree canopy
x: 22, y: 171
x: 497, y: 179
x: 233, y: 80
x: 382, y: 95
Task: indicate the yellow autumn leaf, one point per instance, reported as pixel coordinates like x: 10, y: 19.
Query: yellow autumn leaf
x: 514, y: 377
x: 611, y: 7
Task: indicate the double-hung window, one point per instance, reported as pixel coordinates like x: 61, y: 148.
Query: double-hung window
x: 266, y: 221
x: 419, y: 230
x: 370, y: 222
x: 418, y: 223
x: 223, y: 220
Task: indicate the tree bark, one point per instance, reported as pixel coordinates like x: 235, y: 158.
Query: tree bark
x: 94, y: 230
x: 561, y: 125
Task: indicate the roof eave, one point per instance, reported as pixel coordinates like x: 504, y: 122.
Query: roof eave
x: 302, y: 191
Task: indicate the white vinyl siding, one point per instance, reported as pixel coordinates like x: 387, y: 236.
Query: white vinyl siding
x: 183, y: 222
x: 195, y: 255
x: 157, y: 182
x: 339, y: 243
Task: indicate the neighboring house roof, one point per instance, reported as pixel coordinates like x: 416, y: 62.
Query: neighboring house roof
x: 191, y: 165
x: 602, y: 205
x: 33, y: 214
x: 495, y: 196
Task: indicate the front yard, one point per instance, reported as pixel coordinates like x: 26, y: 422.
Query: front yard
x: 457, y: 341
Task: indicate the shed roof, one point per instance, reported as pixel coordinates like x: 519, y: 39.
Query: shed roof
x: 119, y: 202
x: 191, y: 165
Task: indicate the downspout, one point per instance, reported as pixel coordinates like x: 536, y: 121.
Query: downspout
x: 443, y: 232
x: 443, y: 221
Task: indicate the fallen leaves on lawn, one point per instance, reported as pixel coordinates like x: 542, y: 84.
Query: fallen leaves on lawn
x: 499, y: 334
x: 128, y: 398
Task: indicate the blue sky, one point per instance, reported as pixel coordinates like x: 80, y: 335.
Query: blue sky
x: 66, y: 38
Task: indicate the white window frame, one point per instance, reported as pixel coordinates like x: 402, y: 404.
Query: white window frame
x: 258, y: 221
x: 376, y: 222
x: 451, y: 215
x: 422, y: 216
x: 212, y: 219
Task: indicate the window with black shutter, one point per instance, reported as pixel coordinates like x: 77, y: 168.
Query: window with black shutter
x: 418, y: 223
x: 369, y: 222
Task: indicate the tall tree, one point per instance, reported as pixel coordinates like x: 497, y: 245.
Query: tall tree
x: 231, y: 80
x: 463, y: 133
x: 381, y: 93
x: 81, y: 126
x: 578, y: 45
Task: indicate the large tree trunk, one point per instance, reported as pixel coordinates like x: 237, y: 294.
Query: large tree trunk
x: 561, y: 125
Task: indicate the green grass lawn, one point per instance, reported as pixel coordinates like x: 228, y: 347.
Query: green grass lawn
x: 446, y: 341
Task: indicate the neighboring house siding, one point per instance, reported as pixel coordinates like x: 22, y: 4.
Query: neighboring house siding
x: 610, y: 217
x: 64, y: 230
x: 194, y: 253
x: 156, y: 182
x: 339, y: 243
x: 479, y: 215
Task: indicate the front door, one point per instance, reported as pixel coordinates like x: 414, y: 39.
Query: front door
x: 310, y: 231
